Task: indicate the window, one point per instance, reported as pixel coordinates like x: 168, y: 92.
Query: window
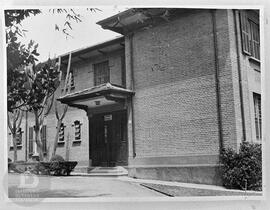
x: 72, y: 85
x: 72, y: 80
x: 101, y: 73
x: 77, y: 126
x: 43, y: 138
x: 19, y: 137
x: 31, y: 134
x: 250, y: 36
x: 258, y: 115
x: 61, y: 138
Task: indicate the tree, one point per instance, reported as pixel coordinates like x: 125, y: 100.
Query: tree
x: 60, y: 116
x: 42, y: 82
x: 18, y: 56
x: 31, y: 87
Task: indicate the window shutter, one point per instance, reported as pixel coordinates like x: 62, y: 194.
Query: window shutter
x: 61, y: 133
x: 31, y: 131
x: 255, y: 40
x: 77, y: 130
x: 19, y: 137
x: 101, y: 73
x: 258, y: 115
x: 245, y: 33
x: 43, y: 138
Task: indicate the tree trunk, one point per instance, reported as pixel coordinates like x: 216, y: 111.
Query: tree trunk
x: 67, y: 148
x: 37, y: 136
x: 39, y: 144
x: 14, y: 139
x: 59, y: 122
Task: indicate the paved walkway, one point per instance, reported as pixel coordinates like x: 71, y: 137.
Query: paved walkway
x: 79, y: 186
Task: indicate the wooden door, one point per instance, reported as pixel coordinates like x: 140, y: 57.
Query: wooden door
x: 98, y: 144
x: 119, y: 141
x: 108, y: 136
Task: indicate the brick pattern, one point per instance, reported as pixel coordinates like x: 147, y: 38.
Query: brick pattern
x: 175, y: 101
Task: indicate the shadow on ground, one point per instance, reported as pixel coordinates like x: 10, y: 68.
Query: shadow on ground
x: 15, y: 192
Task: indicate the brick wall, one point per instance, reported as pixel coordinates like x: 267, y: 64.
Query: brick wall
x: 175, y: 102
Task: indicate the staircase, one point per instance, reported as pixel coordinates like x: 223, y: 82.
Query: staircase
x: 101, y: 171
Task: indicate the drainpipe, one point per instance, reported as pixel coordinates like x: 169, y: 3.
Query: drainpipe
x: 217, y: 82
x: 239, y: 75
x: 132, y: 88
x: 26, y: 133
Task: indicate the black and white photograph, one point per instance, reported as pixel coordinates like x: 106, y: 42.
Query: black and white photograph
x: 133, y: 103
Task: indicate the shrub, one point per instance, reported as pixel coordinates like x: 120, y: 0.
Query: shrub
x: 57, y: 158
x: 58, y: 168
x: 242, y: 170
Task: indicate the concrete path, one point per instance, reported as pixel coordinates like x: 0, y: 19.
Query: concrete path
x: 78, y: 186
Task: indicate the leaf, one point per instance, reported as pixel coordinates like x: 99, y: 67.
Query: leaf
x: 56, y: 27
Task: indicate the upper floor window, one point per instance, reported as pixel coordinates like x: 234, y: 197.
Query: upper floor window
x: 250, y: 35
x: 72, y: 85
x: 258, y: 115
x: 101, y: 73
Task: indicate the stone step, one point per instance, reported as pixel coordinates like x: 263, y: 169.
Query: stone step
x: 101, y: 171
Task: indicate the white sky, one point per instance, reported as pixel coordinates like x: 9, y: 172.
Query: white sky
x: 41, y: 29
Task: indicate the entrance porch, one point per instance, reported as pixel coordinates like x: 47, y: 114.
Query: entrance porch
x: 107, y: 107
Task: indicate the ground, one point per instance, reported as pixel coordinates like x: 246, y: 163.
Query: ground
x: 85, y: 186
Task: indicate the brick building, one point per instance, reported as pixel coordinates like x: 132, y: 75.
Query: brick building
x: 164, y: 97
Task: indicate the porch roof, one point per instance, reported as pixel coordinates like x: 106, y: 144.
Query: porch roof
x: 107, y: 91
x: 135, y: 18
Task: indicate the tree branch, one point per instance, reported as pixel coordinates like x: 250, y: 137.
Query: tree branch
x: 9, y: 123
x: 56, y: 110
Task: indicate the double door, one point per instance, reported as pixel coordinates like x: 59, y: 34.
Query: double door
x: 108, y: 139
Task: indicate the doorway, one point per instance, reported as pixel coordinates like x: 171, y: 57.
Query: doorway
x: 108, y: 139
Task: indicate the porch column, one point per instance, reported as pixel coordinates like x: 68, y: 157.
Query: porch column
x: 130, y: 86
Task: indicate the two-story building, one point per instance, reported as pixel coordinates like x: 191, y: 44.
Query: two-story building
x: 165, y: 97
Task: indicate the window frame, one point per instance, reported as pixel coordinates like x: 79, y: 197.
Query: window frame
x: 248, y: 37
x: 257, y: 116
x: 103, y: 77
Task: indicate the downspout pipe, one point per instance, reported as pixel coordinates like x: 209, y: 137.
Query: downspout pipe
x: 236, y: 29
x: 217, y: 82
x: 132, y: 88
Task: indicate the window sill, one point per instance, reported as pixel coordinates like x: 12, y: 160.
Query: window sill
x: 254, y: 60
x: 19, y: 147
x: 76, y: 141
x: 60, y: 142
